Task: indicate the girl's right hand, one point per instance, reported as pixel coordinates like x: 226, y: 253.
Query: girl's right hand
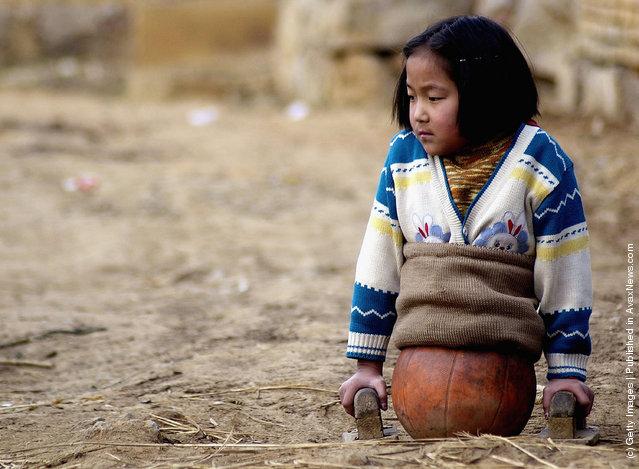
x: 368, y: 375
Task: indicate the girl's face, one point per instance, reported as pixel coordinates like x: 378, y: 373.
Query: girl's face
x: 434, y: 102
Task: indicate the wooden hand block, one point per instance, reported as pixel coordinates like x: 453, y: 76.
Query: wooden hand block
x: 561, y: 416
x: 565, y: 423
x: 367, y: 415
x: 563, y: 404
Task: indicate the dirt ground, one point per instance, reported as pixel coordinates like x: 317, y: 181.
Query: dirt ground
x: 201, y: 294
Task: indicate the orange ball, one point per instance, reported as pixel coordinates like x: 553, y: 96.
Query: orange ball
x: 438, y: 391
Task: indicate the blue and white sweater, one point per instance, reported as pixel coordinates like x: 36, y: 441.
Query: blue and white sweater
x: 531, y: 205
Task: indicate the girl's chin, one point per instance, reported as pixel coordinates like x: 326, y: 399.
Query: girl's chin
x: 438, y: 150
x: 431, y: 149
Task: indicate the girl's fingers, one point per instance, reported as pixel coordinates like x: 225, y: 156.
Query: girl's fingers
x: 583, y: 395
x: 592, y: 400
x: 380, y: 388
x: 348, y: 390
x: 586, y: 398
x: 349, y: 408
x: 347, y: 399
x: 546, y: 400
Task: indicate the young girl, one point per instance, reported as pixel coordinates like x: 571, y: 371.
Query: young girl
x: 471, y: 171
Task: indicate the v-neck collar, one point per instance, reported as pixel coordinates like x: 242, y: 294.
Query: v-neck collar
x: 462, y: 219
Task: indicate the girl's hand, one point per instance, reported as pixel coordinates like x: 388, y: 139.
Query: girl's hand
x: 583, y: 394
x: 368, y: 375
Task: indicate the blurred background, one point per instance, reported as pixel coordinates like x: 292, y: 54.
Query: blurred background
x: 185, y: 186
x: 325, y: 52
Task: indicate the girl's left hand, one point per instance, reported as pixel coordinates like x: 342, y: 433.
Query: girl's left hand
x: 583, y: 394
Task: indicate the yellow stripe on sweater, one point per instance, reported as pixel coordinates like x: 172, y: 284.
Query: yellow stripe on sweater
x: 532, y: 182
x: 404, y: 182
x: 550, y: 253
x: 384, y: 227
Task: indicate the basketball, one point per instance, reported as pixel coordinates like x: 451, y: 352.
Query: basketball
x: 438, y: 391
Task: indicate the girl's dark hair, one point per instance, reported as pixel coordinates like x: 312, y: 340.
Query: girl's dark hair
x: 496, y: 88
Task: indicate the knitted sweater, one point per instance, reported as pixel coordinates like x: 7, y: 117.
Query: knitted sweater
x: 530, y: 205
x: 460, y: 296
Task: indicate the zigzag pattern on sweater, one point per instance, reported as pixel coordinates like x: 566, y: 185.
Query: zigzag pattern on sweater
x: 570, y: 334
x: 355, y: 309
x: 550, y: 140
x: 399, y: 135
x: 562, y: 203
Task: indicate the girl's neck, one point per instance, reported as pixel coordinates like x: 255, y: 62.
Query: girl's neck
x: 474, y: 152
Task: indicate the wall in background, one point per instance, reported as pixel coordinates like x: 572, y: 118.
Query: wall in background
x: 326, y: 52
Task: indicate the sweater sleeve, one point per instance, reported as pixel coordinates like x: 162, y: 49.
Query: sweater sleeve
x: 376, y: 287
x: 563, y: 282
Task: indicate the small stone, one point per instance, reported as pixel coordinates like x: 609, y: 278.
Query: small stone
x: 152, y: 426
x: 349, y: 437
x: 98, y: 427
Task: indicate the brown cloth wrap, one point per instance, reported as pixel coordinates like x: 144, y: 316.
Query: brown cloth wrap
x: 461, y: 296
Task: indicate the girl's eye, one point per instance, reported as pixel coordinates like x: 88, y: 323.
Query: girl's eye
x: 435, y: 98
x: 411, y: 98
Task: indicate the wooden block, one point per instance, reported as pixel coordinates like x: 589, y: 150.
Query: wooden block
x: 565, y: 423
x: 561, y: 418
x: 563, y: 404
x: 367, y: 415
x: 585, y: 436
x: 561, y: 427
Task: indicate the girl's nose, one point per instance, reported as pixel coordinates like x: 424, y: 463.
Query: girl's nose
x: 420, y: 113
